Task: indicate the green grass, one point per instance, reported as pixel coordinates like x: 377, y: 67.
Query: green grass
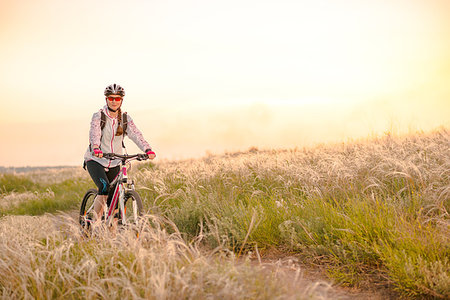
x: 35, y: 198
x: 355, y: 237
x: 13, y: 183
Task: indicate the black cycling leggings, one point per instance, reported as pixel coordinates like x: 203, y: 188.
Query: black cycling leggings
x: 100, y: 176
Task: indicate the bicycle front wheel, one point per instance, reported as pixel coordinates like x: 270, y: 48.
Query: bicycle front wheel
x: 87, y: 208
x: 133, y: 207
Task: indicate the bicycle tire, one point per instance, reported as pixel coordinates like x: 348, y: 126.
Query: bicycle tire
x: 86, y: 207
x: 133, y: 198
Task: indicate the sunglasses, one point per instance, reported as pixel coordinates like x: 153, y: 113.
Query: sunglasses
x: 114, y: 98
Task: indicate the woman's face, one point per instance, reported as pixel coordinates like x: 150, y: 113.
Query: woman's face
x: 114, y: 101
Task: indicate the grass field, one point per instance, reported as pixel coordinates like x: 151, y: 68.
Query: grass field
x: 373, y: 212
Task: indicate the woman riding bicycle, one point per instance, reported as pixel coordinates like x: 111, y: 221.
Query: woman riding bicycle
x: 106, y: 134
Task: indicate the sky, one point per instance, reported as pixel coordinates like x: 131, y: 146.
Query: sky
x: 205, y: 76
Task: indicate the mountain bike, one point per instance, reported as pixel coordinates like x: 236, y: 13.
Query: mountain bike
x: 125, y: 204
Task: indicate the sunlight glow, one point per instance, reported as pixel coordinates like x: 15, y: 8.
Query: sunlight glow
x: 348, y: 58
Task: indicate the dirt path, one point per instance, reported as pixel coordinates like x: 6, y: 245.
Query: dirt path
x: 300, y: 277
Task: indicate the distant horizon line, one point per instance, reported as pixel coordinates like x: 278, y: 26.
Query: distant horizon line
x: 33, y: 168
x: 208, y: 153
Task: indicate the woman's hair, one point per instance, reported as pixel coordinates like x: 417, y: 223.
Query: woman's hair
x: 119, y: 118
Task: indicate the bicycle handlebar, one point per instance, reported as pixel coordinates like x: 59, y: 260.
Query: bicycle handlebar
x: 140, y: 156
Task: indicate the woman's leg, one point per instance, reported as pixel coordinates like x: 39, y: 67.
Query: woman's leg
x: 111, y: 174
x: 98, y: 175
x: 99, y: 205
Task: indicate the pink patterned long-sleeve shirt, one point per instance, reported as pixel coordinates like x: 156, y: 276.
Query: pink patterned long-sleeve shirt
x: 108, y: 141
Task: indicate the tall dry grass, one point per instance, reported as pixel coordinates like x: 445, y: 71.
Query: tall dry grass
x: 376, y: 208
x: 46, y: 258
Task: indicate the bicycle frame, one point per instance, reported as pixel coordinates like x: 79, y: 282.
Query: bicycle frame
x: 120, y: 182
x: 118, y: 196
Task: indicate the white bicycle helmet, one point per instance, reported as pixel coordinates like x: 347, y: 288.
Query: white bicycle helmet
x: 114, y: 89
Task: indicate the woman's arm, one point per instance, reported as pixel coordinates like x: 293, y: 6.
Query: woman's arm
x: 95, y: 132
x: 136, y: 135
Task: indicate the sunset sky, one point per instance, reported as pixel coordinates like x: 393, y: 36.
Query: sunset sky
x: 213, y: 76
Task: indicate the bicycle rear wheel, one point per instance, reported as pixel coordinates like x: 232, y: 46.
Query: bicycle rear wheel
x: 87, y: 208
x: 133, y: 207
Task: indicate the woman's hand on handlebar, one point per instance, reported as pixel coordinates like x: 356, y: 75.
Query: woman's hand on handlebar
x: 98, y: 152
x: 150, y: 153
